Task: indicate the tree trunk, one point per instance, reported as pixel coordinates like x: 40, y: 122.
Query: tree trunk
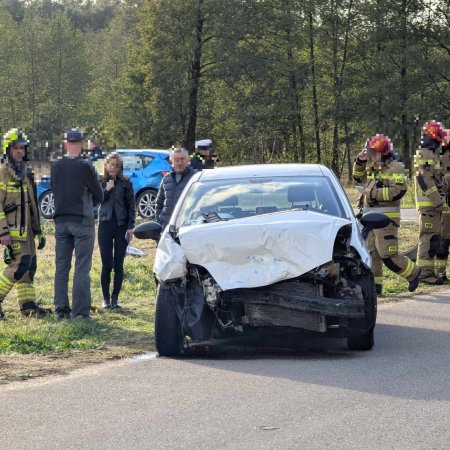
x: 403, y: 85
x: 294, y: 100
x: 378, y: 59
x: 314, y: 87
x: 296, y: 116
x: 338, y: 75
x: 195, y: 80
x: 348, y: 151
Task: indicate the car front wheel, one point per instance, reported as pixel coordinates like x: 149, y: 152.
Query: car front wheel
x: 47, y: 205
x: 361, y: 342
x: 168, y: 336
x: 146, y: 204
x: 364, y: 340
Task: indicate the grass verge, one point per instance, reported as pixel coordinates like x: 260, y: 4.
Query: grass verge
x: 30, y: 347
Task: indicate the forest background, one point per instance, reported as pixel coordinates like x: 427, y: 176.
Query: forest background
x: 266, y: 80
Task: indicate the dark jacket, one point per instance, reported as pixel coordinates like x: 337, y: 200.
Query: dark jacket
x: 76, y: 188
x: 200, y: 162
x: 169, y: 193
x: 121, y: 198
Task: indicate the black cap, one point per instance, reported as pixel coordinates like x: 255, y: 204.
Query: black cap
x: 73, y: 135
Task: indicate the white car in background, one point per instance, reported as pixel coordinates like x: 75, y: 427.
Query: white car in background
x: 261, y: 249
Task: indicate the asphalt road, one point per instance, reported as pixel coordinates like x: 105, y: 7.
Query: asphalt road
x: 323, y: 396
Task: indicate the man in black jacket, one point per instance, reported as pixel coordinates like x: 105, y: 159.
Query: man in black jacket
x: 76, y: 189
x: 172, y: 185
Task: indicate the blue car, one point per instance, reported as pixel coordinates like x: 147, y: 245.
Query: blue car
x: 144, y: 168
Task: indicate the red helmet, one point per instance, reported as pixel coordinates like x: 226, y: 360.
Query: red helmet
x: 380, y: 144
x: 434, y: 130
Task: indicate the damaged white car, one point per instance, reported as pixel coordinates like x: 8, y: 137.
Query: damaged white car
x: 258, y: 249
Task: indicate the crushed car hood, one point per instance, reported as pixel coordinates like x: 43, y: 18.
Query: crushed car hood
x: 252, y: 252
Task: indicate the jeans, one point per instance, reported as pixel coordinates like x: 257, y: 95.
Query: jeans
x: 113, y: 247
x: 72, y: 236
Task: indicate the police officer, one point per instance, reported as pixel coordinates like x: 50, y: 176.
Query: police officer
x: 384, y: 177
x: 19, y: 224
x: 442, y: 253
x: 202, y: 157
x: 430, y: 199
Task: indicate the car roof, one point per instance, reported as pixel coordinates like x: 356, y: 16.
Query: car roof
x: 144, y: 151
x: 264, y: 170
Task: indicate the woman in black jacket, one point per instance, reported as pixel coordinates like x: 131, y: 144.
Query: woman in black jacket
x: 116, y: 222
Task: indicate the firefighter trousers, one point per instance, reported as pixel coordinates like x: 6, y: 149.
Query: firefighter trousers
x: 429, y: 242
x: 383, y: 247
x: 21, y: 273
x: 444, y: 244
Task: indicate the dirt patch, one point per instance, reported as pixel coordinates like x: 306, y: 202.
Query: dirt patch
x: 25, y: 367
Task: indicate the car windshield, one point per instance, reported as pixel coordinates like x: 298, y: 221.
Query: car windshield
x: 211, y: 201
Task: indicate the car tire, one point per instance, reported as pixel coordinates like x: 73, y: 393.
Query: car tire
x: 361, y: 341
x: 47, y: 205
x: 365, y: 340
x: 168, y: 336
x: 146, y: 204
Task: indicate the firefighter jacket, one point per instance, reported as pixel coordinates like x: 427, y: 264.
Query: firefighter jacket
x: 384, y: 187
x: 18, y: 204
x: 431, y: 188
x: 445, y: 169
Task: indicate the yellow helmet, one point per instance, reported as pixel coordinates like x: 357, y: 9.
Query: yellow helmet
x: 14, y: 136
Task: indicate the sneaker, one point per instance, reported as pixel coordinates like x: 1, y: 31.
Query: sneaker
x: 412, y: 285
x: 106, y: 304
x: 115, y: 303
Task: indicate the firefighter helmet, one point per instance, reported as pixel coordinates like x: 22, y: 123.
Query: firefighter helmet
x: 434, y: 130
x: 14, y: 136
x: 380, y: 144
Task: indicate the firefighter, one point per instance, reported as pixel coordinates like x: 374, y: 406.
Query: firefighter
x: 430, y: 199
x: 384, y: 177
x: 442, y: 254
x: 19, y: 224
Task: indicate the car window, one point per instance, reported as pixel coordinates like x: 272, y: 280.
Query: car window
x: 132, y: 162
x: 146, y: 160
x: 238, y: 198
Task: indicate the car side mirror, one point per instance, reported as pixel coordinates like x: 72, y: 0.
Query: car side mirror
x: 373, y: 221
x: 148, y: 230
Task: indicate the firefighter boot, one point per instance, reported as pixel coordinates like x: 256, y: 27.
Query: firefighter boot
x: 441, y: 269
x: 412, y: 285
x: 31, y: 309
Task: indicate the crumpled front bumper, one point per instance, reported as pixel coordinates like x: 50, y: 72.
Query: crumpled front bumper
x: 295, y: 305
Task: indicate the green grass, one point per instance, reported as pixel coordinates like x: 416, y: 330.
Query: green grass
x: 130, y: 328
